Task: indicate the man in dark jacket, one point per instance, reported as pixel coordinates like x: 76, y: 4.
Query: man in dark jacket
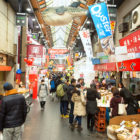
x: 91, y: 106
x: 64, y: 100
x: 13, y: 113
x: 69, y: 92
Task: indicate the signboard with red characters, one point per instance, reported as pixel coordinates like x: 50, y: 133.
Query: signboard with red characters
x: 129, y: 65
x: 57, y: 51
x: 105, y: 67
x: 132, y: 42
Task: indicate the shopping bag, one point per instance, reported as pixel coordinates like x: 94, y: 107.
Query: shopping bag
x: 122, y: 109
x: 1, y: 136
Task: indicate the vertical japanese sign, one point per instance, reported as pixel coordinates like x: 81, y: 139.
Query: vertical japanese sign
x: 101, y: 21
x: 85, y: 37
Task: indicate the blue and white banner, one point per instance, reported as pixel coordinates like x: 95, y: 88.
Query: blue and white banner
x: 101, y: 19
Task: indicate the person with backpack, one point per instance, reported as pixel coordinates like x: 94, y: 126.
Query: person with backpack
x: 42, y: 92
x: 62, y: 94
x: 53, y: 87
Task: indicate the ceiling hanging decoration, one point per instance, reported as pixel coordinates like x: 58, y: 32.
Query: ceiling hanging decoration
x: 58, y: 16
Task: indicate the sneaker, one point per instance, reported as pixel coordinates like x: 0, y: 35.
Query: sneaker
x: 66, y: 116
x: 62, y: 116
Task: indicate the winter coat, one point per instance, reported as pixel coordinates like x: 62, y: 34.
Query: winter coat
x: 79, y: 104
x: 91, y: 105
x: 13, y: 110
x: 69, y: 92
x: 114, y: 105
x: 42, y: 92
x: 65, y: 97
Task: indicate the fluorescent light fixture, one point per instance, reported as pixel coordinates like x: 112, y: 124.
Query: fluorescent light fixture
x: 88, y: 22
x: 37, y: 27
x: 28, y: 9
x: 33, y: 19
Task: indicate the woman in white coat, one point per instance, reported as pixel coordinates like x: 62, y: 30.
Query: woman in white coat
x: 42, y: 92
x: 79, y: 107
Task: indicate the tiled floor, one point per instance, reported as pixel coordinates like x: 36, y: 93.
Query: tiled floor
x: 47, y: 125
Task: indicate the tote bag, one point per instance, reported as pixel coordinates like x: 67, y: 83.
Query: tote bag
x: 122, y: 108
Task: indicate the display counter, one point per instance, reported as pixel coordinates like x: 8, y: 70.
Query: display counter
x: 124, y: 128
x: 105, y: 98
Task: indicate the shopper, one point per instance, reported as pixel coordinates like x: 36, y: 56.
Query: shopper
x: 116, y: 99
x: 96, y: 82
x: 91, y: 106
x: 121, y: 86
x: 13, y: 111
x: 64, y: 100
x: 79, y: 107
x: 42, y: 92
x: 70, y: 93
x: 53, y: 88
x: 132, y: 104
x: 104, y: 85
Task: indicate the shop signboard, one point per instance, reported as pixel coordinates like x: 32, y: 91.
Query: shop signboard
x: 132, y: 42
x: 95, y: 61
x: 112, y: 58
x: 99, y: 14
x: 35, y: 52
x: 58, y: 56
x: 112, y: 23
x: 21, y: 19
x: 129, y: 65
x: 57, y: 51
x: 105, y: 67
x: 86, y: 40
x: 120, y: 50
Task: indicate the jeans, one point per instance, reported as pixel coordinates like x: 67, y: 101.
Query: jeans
x: 90, y: 120
x: 12, y: 133
x: 71, y: 116
x: 63, y: 107
x: 78, y: 119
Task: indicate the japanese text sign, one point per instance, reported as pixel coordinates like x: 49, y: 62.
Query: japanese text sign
x: 101, y: 20
x: 85, y: 37
x: 132, y: 42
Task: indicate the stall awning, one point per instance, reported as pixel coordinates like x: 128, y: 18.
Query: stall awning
x: 128, y: 65
x: 5, y: 68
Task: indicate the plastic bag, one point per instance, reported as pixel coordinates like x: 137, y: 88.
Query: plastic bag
x: 1, y: 136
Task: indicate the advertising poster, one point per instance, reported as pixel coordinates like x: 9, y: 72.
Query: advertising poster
x: 85, y: 37
x: 99, y: 14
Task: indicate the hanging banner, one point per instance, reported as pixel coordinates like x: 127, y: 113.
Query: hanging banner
x: 101, y: 21
x: 85, y: 37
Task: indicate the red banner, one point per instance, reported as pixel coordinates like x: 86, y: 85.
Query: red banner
x: 35, y: 51
x: 132, y: 42
x: 57, y: 51
x: 105, y: 67
x: 129, y: 65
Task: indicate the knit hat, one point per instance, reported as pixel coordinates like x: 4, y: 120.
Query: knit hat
x: 7, y: 86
